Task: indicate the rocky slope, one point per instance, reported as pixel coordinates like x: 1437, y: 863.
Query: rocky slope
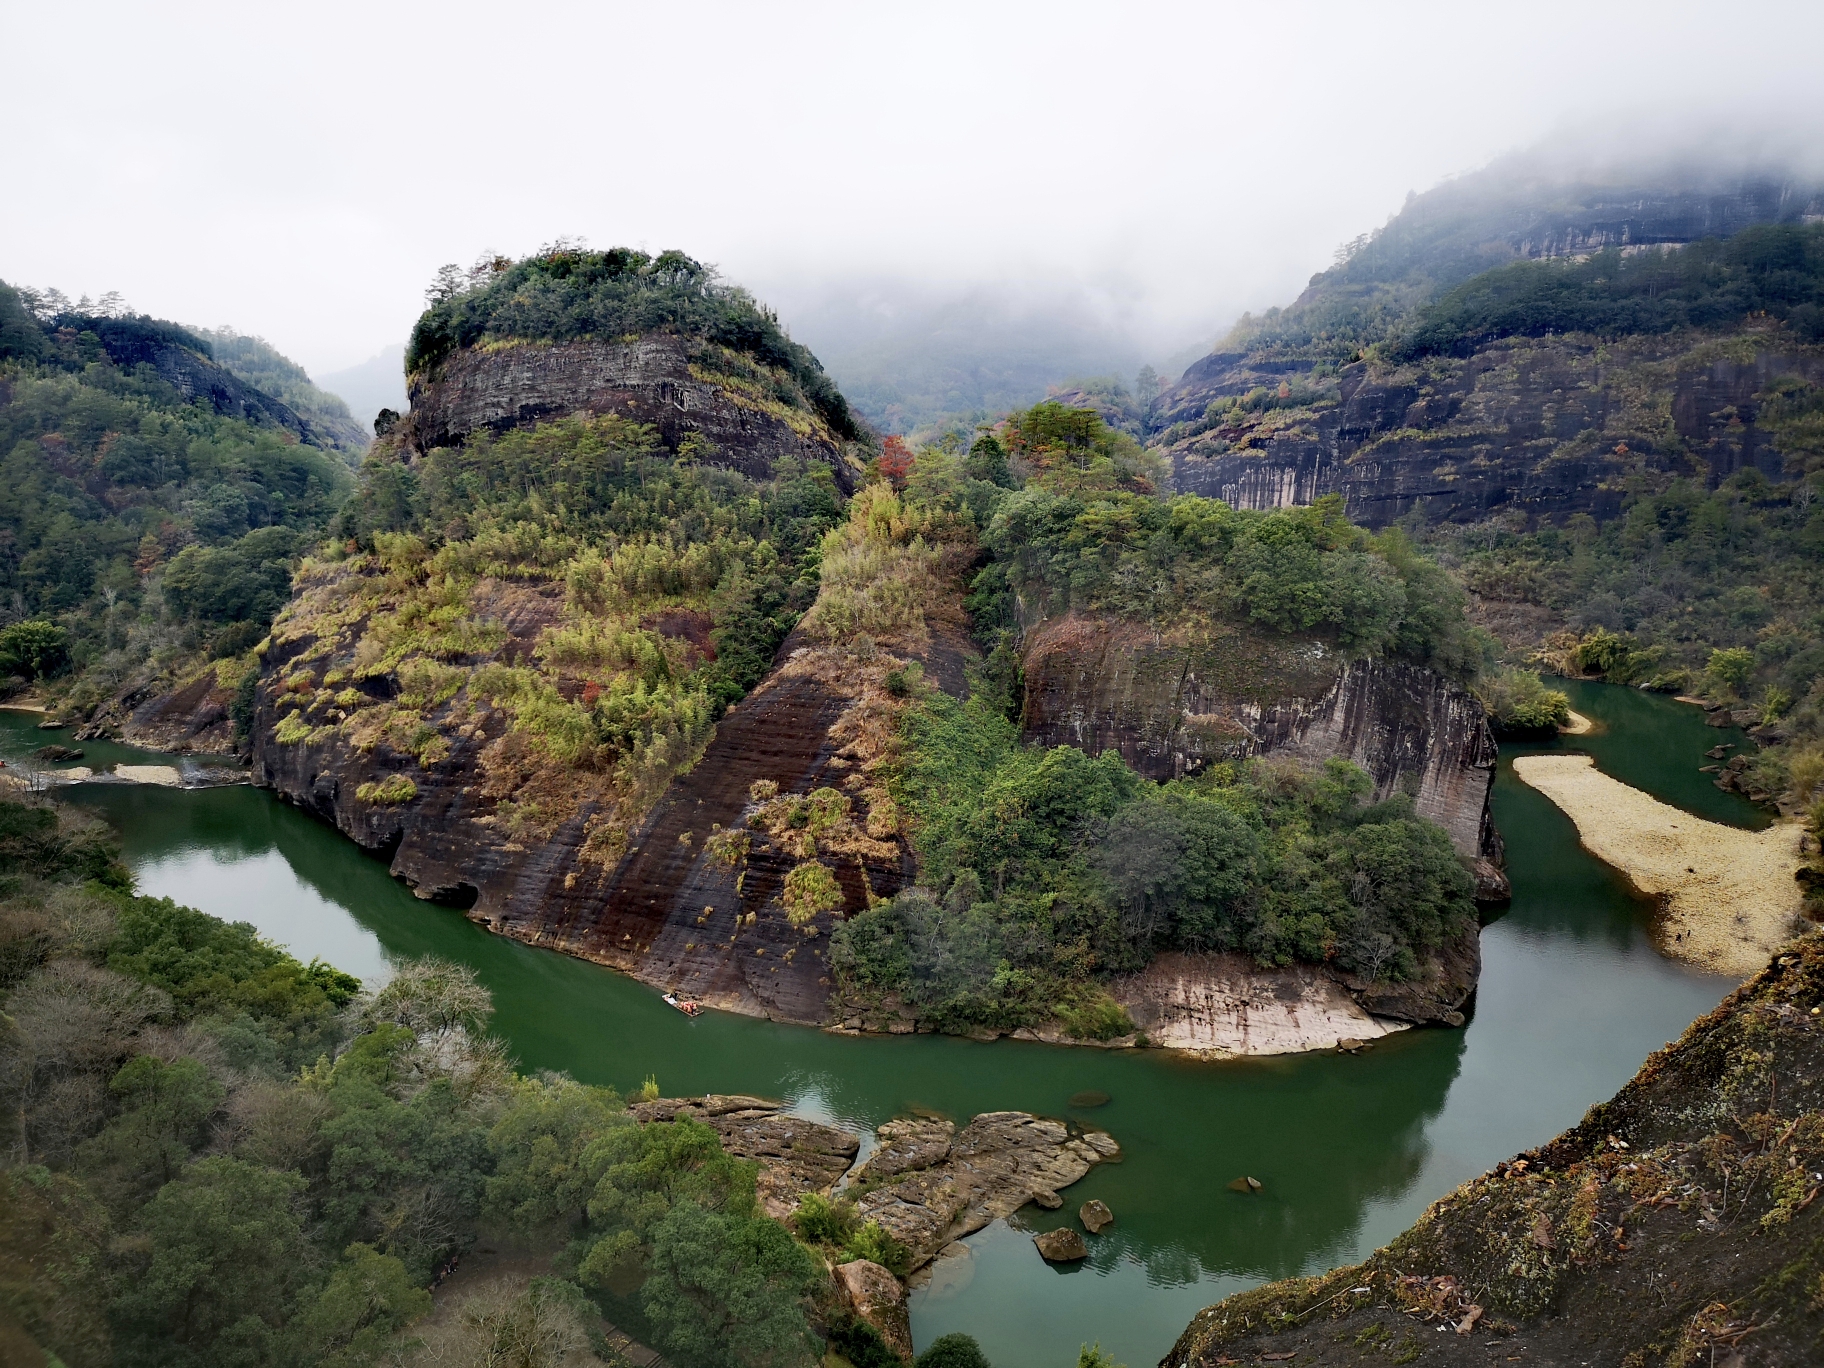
x: 1543, y: 427
x: 1677, y: 1224
x: 726, y: 406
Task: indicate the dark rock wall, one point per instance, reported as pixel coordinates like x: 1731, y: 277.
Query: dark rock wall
x: 1172, y: 702
x: 1547, y: 427
x: 666, y: 912
x: 650, y: 380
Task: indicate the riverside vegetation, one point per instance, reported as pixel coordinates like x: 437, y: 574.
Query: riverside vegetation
x: 1041, y: 872
x: 218, y: 1155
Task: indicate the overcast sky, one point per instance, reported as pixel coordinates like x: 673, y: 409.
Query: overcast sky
x: 300, y: 170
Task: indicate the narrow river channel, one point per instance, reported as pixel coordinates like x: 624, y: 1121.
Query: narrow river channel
x: 1351, y: 1149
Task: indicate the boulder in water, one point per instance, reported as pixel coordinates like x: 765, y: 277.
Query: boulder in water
x: 1090, y: 1097
x: 1246, y: 1185
x: 1048, y: 1199
x: 1062, y: 1245
x: 56, y: 752
x: 1095, y: 1215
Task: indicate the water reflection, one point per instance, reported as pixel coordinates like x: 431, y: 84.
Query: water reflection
x: 1350, y: 1149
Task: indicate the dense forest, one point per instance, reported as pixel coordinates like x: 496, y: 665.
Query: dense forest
x: 141, y: 527
x: 1776, y: 269
x: 216, y: 1155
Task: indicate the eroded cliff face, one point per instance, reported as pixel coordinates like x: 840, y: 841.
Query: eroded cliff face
x: 1546, y: 427
x: 571, y: 859
x: 1172, y: 701
x: 685, y: 389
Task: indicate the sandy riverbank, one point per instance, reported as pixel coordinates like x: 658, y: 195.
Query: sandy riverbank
x: 1730, y: 897
x: 1579, y: 725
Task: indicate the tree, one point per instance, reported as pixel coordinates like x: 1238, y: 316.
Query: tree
x: 224, y: 1260
x: 165, y: 1112
x: 35, y: 648
x: 952, y: 1351
x: 725, y: 1291
x: 539, y: 1144
x: 369, y: 1298
x: 1733, y: 666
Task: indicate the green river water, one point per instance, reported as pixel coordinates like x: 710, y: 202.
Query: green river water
x: 1350, y: 1148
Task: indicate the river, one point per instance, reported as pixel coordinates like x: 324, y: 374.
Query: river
x: 1350, y: 1148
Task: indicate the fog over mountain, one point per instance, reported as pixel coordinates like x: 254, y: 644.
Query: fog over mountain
x: 1050, y: 190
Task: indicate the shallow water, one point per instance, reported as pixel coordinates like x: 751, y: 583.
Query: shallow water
x: 1350, y: 1149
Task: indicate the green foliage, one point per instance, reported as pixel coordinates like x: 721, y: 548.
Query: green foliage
x: 1685, y: 577
x: 1732, y: 665
x: 726, y: 1290
x: 165, y: 1111
x: 42, y: 841
x: 1519, y: 704
x: 223, y: 1266
x: 565, y: 292
x: 954, y: 1350
x: 224, y: 970
x: 369, y: 1298
x: 33, y: 649
x: 388, y: 792
x: 257, y: 362
x: 876, y: 1244
x: 1094, y: 1356
x: 539, y: 1145
x: 821, y: 1220
x: 109, y: 473
x: 1776, y: 269
x: 1040, y: 871
x: 1085, y: 533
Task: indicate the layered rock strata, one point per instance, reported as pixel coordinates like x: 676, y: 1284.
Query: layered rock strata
x: 689, y: 391
x: 1540, y: 427
x: 1172, y: 701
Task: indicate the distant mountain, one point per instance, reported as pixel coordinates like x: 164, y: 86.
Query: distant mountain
x: 377, y: 383
x: 913, y: 363
x: 261, y: 365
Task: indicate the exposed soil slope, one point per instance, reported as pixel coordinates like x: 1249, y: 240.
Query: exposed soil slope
x: 1676, y: 1225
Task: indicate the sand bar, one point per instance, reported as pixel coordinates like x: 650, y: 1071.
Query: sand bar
x: 1729, y: 895
x: 167, y: 775
x: 1579, y: 725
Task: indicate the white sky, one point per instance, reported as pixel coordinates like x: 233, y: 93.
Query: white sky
x: 300, y: 170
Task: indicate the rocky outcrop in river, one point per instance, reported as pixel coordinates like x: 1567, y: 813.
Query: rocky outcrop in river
x: 930, y: 1185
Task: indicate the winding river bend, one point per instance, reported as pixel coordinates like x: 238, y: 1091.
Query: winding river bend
x: 1351, y: 1149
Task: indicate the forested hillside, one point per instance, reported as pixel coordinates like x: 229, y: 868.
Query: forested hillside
x: 218, y: 1156
x: 152, y: 504
x: 257, y: 362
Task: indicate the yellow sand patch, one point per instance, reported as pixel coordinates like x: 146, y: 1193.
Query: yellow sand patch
x: 150, y: 774
x: 1579, y: 725
x: 1730, y: 898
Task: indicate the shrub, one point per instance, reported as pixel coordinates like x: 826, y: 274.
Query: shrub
x: 810, y: 888
x: 1101, y: 1018
x: 388, y: 792
x: 874, y: 1243
x: 954, y: 1350
x: 821, y: 1220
